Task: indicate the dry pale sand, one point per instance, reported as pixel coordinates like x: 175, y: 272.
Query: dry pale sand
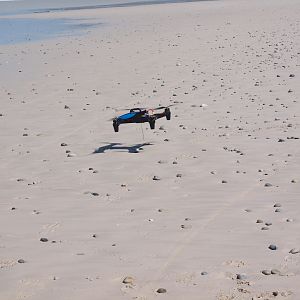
x: 228, y: 161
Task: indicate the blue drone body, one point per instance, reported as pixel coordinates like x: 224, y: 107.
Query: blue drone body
x: 141, y: 115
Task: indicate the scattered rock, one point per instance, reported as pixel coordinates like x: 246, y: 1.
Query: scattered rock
x: 259, y: 221
x: 241, y: 276
x: 268, y: 184
x: 156, y: 178
x: 43, y: 240
x: 63, y: 144
x: 275, y: 272
x: 21, y: 261
x: 204, y: 273
x: 95, y: 194
x: 161, y: 290
x: 266, y: 272
x: 128, y: 280
x: 273, y: 247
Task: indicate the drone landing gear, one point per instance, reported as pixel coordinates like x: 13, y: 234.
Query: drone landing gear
x: 152, y: 123
x: 116, y: 126
x: 168, y: 113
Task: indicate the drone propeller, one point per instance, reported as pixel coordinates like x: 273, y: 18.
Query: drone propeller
x: 162, y: 107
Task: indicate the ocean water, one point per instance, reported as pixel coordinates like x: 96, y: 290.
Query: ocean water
x: 17, y: 25
x: 22, y: 30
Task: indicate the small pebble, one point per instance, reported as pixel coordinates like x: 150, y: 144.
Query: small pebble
x: 224, y: 181
x: 259, y: 221
x: 204, y: 273
x: 277, y: 210
x: 128, y: 280
x: 273, y: 247
x: 265, y: 228
x: 275, y: 271
x: 161, y: 290
x: 268, y: 184
x: 63, y: 144
x: 44, y: 240
x: 277, y: 205
x: 266, y: 272
x: 156, y: 178
x: 21, y: 261
x: 241, y: 276
x: 95, y: 194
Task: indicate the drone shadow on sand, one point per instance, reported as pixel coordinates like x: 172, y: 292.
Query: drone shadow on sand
x: 118, y: 147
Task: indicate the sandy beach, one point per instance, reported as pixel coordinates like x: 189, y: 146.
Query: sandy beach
x: 205, y: 206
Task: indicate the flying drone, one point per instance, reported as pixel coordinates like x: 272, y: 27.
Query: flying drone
x: 142, y: 115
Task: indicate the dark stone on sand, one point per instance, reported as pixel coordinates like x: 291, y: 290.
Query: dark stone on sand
x: 281, y: 140
x: 43, y: 240
x: 259, y: 221
x: 266, y: 272
x: 292, y: 75
x: 179, y: 175
x: 224, y: 181
x: 277, y: 205
x: 268, y: 223
x: 156, y: 178
x: 204, y: 273
x: 277, y: 210
x: 241, y: 276
x: 63, y: 144
x: 95, y: 194
x: 275, y: 271
x: 161, y: 290
x: 268, y: 184
x: 265, y: 228
x: 21, y: 261
x: 273, y: 247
